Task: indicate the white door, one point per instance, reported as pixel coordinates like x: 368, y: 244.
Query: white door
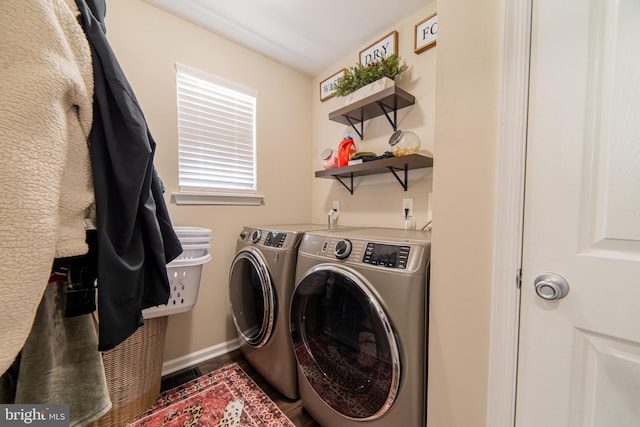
x: 579, y: 356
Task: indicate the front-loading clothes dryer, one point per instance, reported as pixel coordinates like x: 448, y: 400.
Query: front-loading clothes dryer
x: 359, y: 326
x: 261, y: 281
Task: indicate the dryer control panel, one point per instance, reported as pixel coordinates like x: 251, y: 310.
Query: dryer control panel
x: 275, y: 239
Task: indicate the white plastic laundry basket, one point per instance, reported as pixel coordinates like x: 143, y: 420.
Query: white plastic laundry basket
x: 192, y: 232
x: 195, y: 241
x: 184, y: 280
x: 194, y: 251
x: 184, y: 272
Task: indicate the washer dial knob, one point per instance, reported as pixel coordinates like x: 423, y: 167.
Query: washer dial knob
x: 342, y: 249
x: 256, y: 235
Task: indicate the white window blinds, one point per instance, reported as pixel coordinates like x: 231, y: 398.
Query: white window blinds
x: 216, y: 133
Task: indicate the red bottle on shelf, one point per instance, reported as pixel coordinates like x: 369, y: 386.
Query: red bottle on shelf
x: 345, y: 150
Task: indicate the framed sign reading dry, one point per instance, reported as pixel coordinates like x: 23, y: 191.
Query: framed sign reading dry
x: 387, y: 45
x: 426, y: 33
x: 328, y: 85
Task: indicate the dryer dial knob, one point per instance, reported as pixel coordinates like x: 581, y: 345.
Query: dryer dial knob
x: 255, y: 236
x: 343, y: 249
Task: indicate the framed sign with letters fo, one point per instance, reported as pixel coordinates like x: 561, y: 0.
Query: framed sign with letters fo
x: 426, y: 33
x: 328, y: 85
x: 387, y: 45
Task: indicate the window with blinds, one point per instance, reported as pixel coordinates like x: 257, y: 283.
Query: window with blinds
x: 216, y: 134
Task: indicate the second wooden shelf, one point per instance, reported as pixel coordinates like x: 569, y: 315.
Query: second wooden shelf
x: 392, y: 164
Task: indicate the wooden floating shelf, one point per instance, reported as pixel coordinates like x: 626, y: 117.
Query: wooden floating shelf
x: 389, y: 100
x: 390, y: 164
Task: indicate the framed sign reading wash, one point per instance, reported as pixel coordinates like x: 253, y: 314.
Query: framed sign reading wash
x: 328, y: 85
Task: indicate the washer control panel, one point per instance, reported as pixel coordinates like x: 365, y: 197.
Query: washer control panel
x: 393, y: 256
x: 387, y: 255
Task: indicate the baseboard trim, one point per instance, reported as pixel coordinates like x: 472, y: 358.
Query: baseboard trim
x: 199, y: 356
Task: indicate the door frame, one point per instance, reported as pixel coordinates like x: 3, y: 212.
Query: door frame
x: 509, y: 211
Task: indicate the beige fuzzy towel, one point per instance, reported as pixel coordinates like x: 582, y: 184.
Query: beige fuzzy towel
x: 46, y: 100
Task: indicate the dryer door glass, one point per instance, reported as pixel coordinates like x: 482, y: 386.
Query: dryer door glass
x: 344, y: 343
x: 253, y: 298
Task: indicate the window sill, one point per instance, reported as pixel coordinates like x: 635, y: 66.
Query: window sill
x: 216, y: 199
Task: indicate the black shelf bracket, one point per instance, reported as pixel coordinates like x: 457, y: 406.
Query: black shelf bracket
x: 385, y: 110
x: 348, y: 187
x: 353, y: 125
x: 403, y: 182
x: 406, y: 176
x: 394, y: 122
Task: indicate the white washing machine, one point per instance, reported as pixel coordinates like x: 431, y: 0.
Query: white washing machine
x: 359, y: 326
x: 261, y: 281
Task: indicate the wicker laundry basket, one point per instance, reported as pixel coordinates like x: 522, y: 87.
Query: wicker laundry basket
x: 134, y: 371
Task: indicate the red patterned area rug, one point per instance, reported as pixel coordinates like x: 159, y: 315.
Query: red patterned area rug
x: 226, y: 397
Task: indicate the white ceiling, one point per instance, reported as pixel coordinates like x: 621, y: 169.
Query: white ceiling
x: 307, y: 35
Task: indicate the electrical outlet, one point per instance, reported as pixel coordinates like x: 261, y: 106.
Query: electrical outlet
x: 336, y: 205
x: 407, y: 204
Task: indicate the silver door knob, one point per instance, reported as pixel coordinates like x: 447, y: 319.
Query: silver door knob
x: 551, y: 286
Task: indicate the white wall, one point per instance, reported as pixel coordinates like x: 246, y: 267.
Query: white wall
x: 463, y: 214
x: 148, y: 42
x: 377, y: 199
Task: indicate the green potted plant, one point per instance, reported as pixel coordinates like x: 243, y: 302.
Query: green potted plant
x: 361, y: 75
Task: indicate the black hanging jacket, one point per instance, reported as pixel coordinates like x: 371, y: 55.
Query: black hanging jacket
x: 135, y: 236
